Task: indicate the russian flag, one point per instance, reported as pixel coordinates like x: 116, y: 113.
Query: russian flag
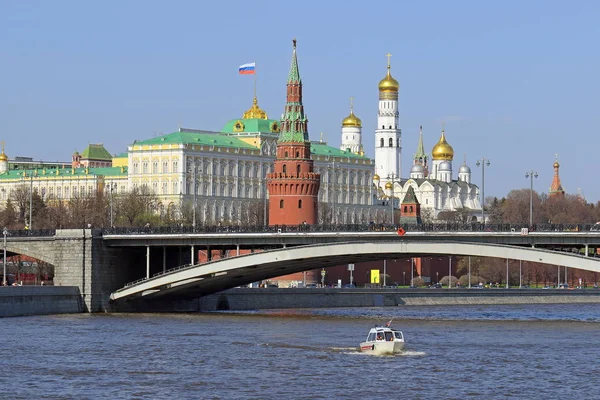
x: 248, y: 69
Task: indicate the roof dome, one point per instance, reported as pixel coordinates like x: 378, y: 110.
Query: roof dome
x: 442, y: 150
x: 255, y: 112
x: 352, y: 120
x: 389, y: 185
x: 464, y: 169
x: 375, y: 177
x: 417, y: 169
x: 388, y: 84
x: 445, y: 166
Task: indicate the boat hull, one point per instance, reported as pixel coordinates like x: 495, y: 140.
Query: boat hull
x: 382, y: 348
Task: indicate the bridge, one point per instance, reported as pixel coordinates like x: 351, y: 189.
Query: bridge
x: 163, y: 262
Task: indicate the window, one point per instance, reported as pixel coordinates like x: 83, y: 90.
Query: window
x: 382, y: 143
x: 284, y: 168
x: 410, y: 209
x: 390, y: 127
x: 299, y: 203
x: 144, y: 168
x: 155, y: 167
x: 174, y: 166
x: 281, y: 203
x: 297, y: 154
x: 165, y: 167
x: 391, y: 142
x: 382, y: 126
x: 298, y: 169
x: 286, y: 154
x: 135, y: 168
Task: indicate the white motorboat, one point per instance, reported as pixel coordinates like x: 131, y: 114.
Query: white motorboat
x: 383, y: 340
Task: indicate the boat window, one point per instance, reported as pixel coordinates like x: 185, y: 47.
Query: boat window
x: 389, y: 336
x: 379, y: 336
x: 398, y: 335
x: 371, y: 337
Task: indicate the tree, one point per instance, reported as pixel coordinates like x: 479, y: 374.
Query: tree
x: 20, y: 197
x: 8, y: 216
x: 137, y: 206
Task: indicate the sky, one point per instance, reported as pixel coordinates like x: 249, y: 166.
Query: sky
x: 515, y: 82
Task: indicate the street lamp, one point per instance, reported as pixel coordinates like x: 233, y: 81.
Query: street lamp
x: 531, y: 174
x: 193, y: 168
x: 112, y: 187
x: 484, y: 162
x: 449, y: 272
x: 384, y: 272
x: 392, y: 177
x: 403, y: 278
x: 412, y: 269
x: 4, y: 232
x: 437, y: 277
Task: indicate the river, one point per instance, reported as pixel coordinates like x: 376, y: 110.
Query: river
x: 488, y: 352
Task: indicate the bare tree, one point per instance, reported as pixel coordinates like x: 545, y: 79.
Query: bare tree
x: 137, y: 206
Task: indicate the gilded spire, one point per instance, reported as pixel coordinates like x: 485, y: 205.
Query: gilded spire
x: 420, y: 155
x: 442, y: 150
x: 388, y: 86
x: 255, y: 112
x: 556, y: 188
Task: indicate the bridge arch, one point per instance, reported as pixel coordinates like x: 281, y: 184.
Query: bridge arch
x: 223, y: 274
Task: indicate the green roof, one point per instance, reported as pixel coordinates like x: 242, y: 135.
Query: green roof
x: 122, y: 155
x: 253, y: 125
x: 322, y: 149
x: 96, y: 152
x: 39, y: 173
x: 206, y: 138
x: 410, y: 197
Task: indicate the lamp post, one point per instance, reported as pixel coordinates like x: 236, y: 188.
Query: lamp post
x: 193, y: 168
x: 403, y: 278
x: 384, y: 272
x: 484, y: 162
x: 520, y: 274
x: 507, y: 273
x: 4, y: 233
x: 412, y: 269
x: 449, y: 272
x: 437, y: 277
x: 469, y: 272
x: 111, y: 186
x: 531, y: 174
x: 392, y: 177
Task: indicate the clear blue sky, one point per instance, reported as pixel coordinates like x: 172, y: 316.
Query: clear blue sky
x: 515, y: 81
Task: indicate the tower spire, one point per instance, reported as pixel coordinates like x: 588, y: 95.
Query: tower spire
x: 556, y: 188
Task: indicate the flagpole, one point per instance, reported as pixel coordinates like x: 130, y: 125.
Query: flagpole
x: 255, y: 78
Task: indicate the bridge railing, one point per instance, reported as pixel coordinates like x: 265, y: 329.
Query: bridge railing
x: 431, y: 227
x: 31, y: 233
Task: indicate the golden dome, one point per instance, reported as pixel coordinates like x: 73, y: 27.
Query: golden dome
x: 255, y: 112
x: 389, y: 84
x: 389, y: 185
x: 3, y: 157
x: 352, y: 120
x: 375, y: 177
x: 442, y: 150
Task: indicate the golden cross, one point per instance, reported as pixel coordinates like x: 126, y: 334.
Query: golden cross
x: 351, y: 103
x: 443, y: 124
x: 388, y: 55
x: 555, y: 155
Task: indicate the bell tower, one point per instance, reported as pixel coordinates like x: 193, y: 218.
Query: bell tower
x: 293, y: 185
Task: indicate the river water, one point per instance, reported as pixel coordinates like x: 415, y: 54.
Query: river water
x: 480, y: 352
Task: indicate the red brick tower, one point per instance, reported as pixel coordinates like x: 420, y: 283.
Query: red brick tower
x: 293, y: 186
x: 556, y: 189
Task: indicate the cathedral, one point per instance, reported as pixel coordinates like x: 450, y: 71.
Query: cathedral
x: 433, y: 186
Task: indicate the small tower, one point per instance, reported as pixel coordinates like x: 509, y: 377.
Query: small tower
x: 351, y: 132
x: 293, y: 185
x: 3, y: 161
x: 464, y: 172
x: 419, y: 169
x: 556, y: 189
x: 410, y: 209
x: 388, y: 141
x: 442, y: 153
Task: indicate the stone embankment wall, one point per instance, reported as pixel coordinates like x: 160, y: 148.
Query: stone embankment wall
x: 266, y: 298
x: 39, y: 300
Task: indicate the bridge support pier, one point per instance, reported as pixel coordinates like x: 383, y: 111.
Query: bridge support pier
x: 192, y: 259
x: 237, y: 249
x: 586, y: 250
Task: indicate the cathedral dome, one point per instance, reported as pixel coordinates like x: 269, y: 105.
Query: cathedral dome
x: 445, y: 166
x: 388, y: 84
x: 352, y: 120
x: 417, y: 169
x: 389, y: 185
x: 376, y: 177
x: 464, y: 169
x: 3, y: 157
x: 442, y: 150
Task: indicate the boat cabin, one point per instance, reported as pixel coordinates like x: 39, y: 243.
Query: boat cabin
x: 381, y: 334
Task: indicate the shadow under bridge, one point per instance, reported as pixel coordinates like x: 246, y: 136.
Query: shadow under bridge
x: 203, y: 279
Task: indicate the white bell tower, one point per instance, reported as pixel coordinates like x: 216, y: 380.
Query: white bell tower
x: 388, y: 136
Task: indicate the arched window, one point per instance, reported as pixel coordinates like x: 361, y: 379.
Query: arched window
x: 382, y: 143
x: 299, y: 203
x: 281, y: 203
x: 284, y: 168
x: 286, y: 154
x: 390, y: 127
x: 298, y: 169
x: 397, y: 143
x: 405, y: 208
x: 411, y: 209
x: 391, y: 142
x: 382, y: 126
x: 297, y: 154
